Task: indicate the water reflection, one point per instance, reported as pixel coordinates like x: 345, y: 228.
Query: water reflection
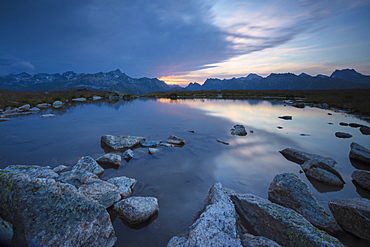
x: 181, y: 177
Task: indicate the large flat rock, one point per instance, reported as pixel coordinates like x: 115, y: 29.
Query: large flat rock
x: 120, y: 143
x: 300, y: 157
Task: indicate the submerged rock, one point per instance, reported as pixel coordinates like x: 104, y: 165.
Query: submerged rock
x: 88, y: 164
x: 49, y: 213
x: 175, y: 140
x: 124, y: 184
x: 239, y: 130
x: 362, y: 178
x: 300, y: 157
x: 282, y: 225
x: 110, y: 159
x: 106, y: 194
x: 342, y: 135
x: 120, y: 143
x: 216, y: 226
x: 137, y: 209
x: 353, y: 215
x: 148, y: 144
x: 128, y: 154
x: 359, y: 153
x: 289, y: 191
x: 322, y: 172
x: 221, y: 141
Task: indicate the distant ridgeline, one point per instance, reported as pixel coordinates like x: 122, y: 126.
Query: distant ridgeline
x: 116, y: 80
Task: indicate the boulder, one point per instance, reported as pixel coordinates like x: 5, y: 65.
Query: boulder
x: 124, y: 185
x: 25, y: 107
x: 33, y: 171
x: 365, y: 130
x: 49, y: 213
x: 106, y: 194
x: 6, y: 232
x: 110, y: 159
x: 289, y: 191
x: 128, y: 154
x: 359, y: 153
x: 362, y: 178
x: 77, y: 178
x: 120, y: 143
x: 353, y: 215
x: 239, y: 130
x: 216, y: 225
x: 137, y: 209
x: 249, y: 240
x: 343, y: 124
x: 282, y: 225
x: 175, y: 140
x: 300, y: 157
x: 286, y: 117
x: 153, y: 151
x: 322, y: 172
x: 60, y: 168
x: 149, y: 144
x: 58, y: 104
x: 88, y: 164
x: 342, y: 135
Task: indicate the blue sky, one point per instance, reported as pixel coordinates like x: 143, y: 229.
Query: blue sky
x: 185, y: 41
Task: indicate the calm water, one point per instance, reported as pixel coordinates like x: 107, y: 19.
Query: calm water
x: 181, y: 177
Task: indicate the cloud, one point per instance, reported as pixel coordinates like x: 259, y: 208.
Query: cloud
x: 10, y: 65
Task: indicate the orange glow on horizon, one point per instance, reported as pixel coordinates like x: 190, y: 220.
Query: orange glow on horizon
x: 175, y: 80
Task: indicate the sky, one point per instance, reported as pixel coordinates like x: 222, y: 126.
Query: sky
x: 184, y: 41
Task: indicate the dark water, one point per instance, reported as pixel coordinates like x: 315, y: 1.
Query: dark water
x: 181, y: 177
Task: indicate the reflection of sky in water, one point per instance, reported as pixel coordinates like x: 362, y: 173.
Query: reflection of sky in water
x: 181, y: 177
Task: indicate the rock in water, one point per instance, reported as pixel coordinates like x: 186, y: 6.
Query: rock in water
x: 289, y: 191
x: 88, y: 164
x: 110, y: 159
x: 359, y: 153
x: 48, y: 213
x: 286, y: 117
x: 153, y: 151
x: 362, y: 178
x: 239, y: 130
x: 128, y: 154
x: 57, y: 104
x: 124, y: 185
x: 322, y: 172
x: 120, y: 143
x: 101, y: 191
x: 342, y: 135
x: 365, y: 130
x: 300, y: 157
x: 175, y: 140
x: 353, y: 215
x: 137, y: 209
x: 216, y: 226
x: 282, y: 225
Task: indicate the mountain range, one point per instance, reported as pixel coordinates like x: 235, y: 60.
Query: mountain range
x: 116, y: 80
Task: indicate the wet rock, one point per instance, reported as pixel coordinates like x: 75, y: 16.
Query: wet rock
x: 355, y: 125
x: 239, y: 130
x: 57, y: 104
x: 110, y: 159
x: 343, y: 124
x: 249, y: 240
x: 289, y: 191
x: 79, y: 99
x: 167, y: 145
x: 6, y: 232
x: 60, y: 168
x: 282, y: 225
x: 300, y: 157
x: 77, y: 178
x: 280, y: 127
x: 175, y: 140
x: 353, y: 215
x: 34, y: 109
x: 216, y: 226
x: 137, y: 209
x: 48, y: 213
x: 124, y: 185
x: 365, y: 130
x: 322, y: 172
x: 153, y: 151
x: 33, y: 171
x: 329, y: 114
x: 48, y: 115
x: 25, y: 107
x: 362, y: 178
x: 286, y: 117
x: 359, y: 153
x: 148, y: 144
x: 343, y: 135
x: 128, y: 154
x: 221, y: 141
x: 105, y: 193
x: 43, y: 105
x: 88, y: 164
x: 120, y: 143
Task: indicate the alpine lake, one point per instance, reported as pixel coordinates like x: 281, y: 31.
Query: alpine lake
x: 180, y: 177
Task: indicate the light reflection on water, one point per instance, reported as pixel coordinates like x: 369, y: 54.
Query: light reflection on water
x: 181, y: 177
